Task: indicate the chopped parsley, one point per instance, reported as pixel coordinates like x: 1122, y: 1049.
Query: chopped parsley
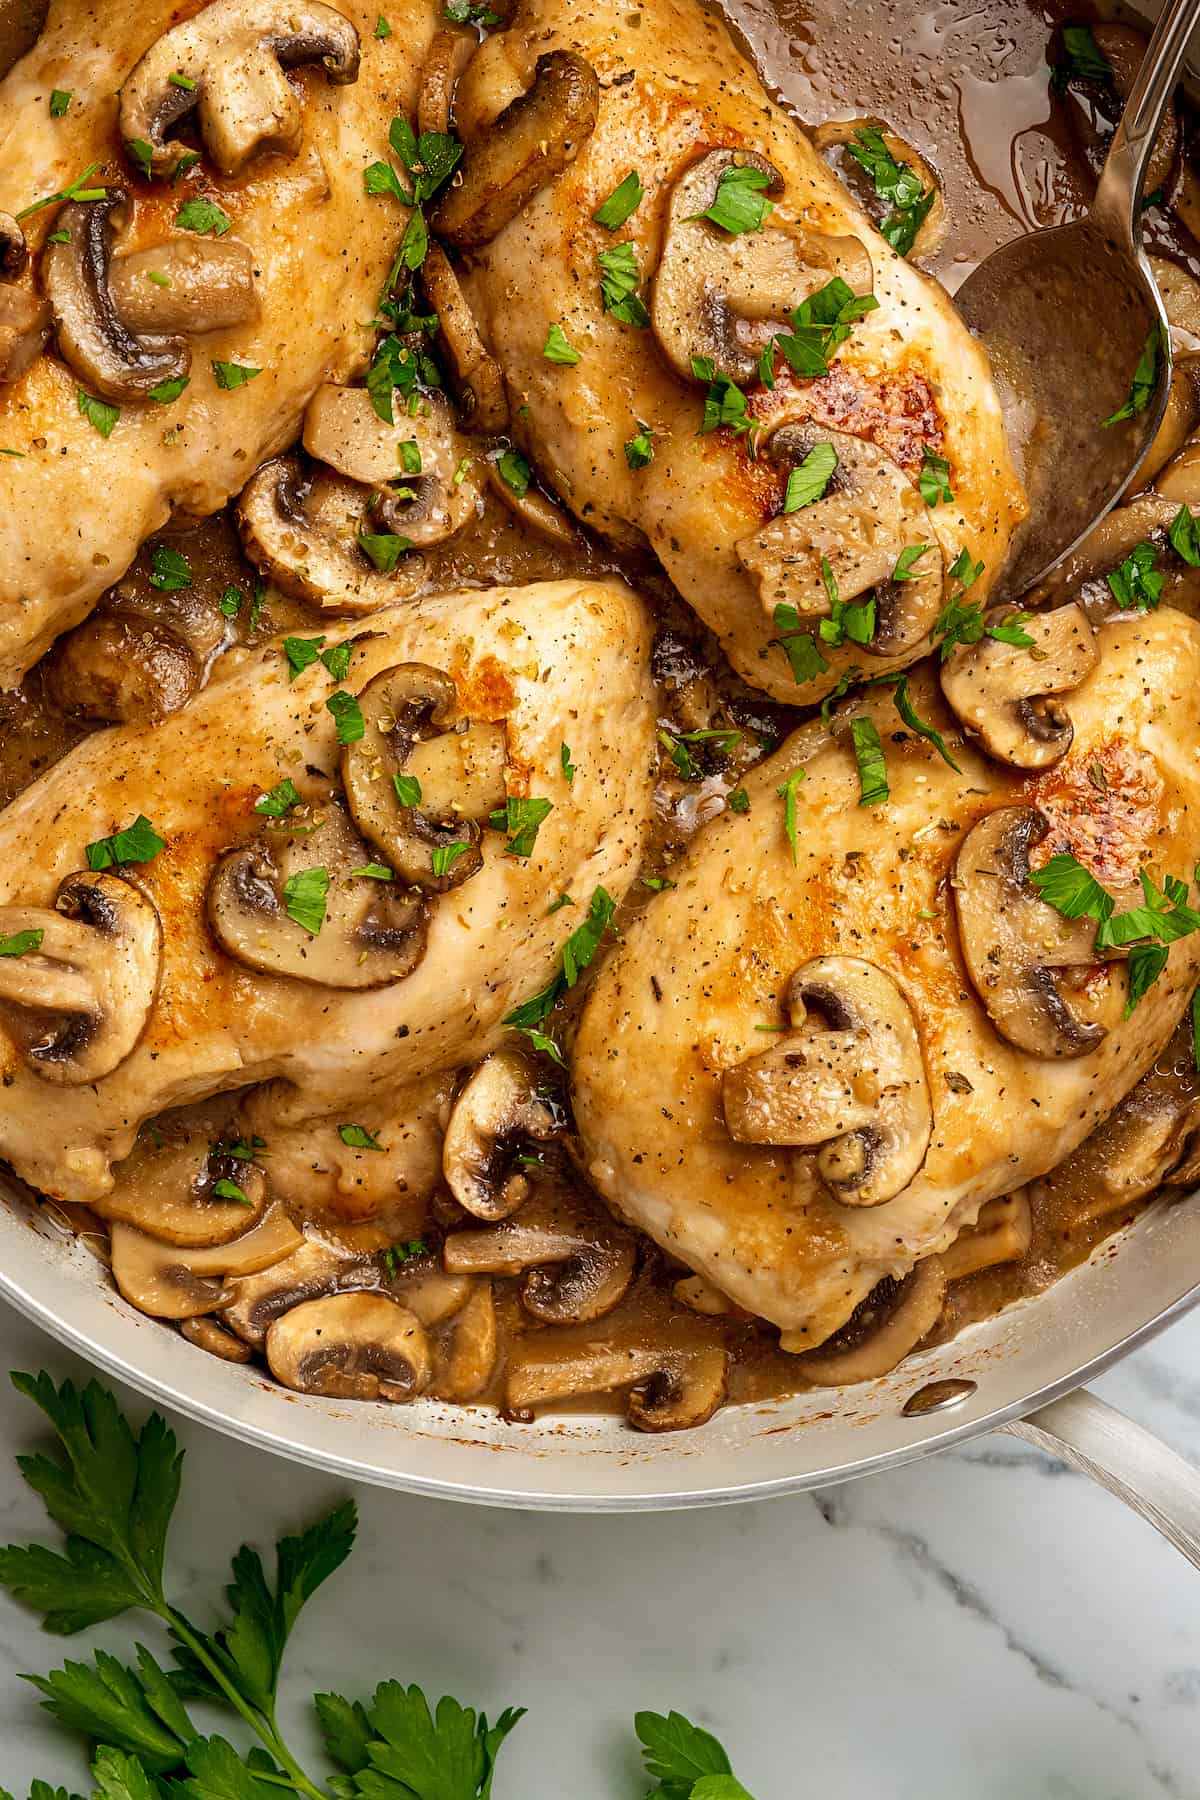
x: 396, y: 1255
x: 444, y: 857
x: 203, y: 216
x: 675, y: 743
x: 514, y: 471
x: 304, y: 898
x: 21, y: 943
x: 738, y: 800
x: 1147, y: 930
x: 101, y: 415
x: 337, y: 659
x: 1145, y: 379
x: 568, y: 767
x: 382, y: 28
x: 171, y: 571
x: 1082, y: 60
x: 724, y: 403
x: 1136, y: 581
x: 60, y: 100
x: 178, y: 79
x: 808, y: 481
x: 740, y: 203
x: 658, y: 884
x: 909, y: 557
x: 230, y: 375
x: 76, y: 190
x: 1184, y: 537
x: 787, y: 793
x: 164, y: 392
x: 141, y: 154
x: 820, y: 325
x: 853, y: 619
x: 347, y: 715
x: 301, y: 653
x: 872, y: 770
x: 358, y: 1137
x: 230, y: 602
x: 557, y: 349
x: 639, y: 450
x: 384, y: 548
x: 522, y: 819
x: 577, y: 954
x: 408, y: 788
x: 934, y: 479
x: 374, y: 872
x: 410, y: 456
x: 798, y: 645
x: 621, y: 204
x: 902, y: 701
x: 898, y: 184
x: 396, y: 368
x: 619, y: 278
x: 224, y: 1189
x: 278, y: 801
x: 137, y: 843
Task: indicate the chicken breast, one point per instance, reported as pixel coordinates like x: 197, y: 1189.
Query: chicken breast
x: 298, y: 267
x: 210, y: 966
x: 839, y: 1007
x: 674, y: 94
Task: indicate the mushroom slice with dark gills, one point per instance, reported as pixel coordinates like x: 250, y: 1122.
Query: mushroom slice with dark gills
x: 696, y: 989
x: 233, y: 56
x: 834, y: 139
x: 849, y: 542
x: 191, y: 1180
x: 1002, y: 1233
x: 172, y: 1281
x: 24, y: 314
x: 881, y: 1331
x: 418, y: 475
x: 1010, y: 695
x: 534, y: 139
x: 675, y: 1380
x: 291, y: 904
x: 848, y: 1077
x: 355, y: 1346
x: 580, y: 1266
x: 474, y: 374
x: 303, y: 529
x: 713, y: 287
x: 77, y: 996
x: 496, y: 1115
x: 449, y: 53
x: 1019, y: 950
x: 93, y: 337
x: 422, y: 778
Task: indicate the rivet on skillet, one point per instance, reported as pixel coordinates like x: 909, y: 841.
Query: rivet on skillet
x: 937, y: 1396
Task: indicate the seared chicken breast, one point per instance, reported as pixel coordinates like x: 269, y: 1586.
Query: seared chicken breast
x: 162, y: 333
x: 850, y: 1025
x: 344, y: 917
x: 629, y: 434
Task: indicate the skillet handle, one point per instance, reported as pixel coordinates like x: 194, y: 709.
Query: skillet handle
x: 1089, y: 1435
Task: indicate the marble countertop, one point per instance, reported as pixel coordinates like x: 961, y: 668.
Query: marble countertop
x: 982, y: 1625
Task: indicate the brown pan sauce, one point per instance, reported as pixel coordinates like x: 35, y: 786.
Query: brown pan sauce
x: 968, y: 87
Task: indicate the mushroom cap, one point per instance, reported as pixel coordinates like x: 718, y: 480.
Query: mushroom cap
x: 210, y: 285
x: 206, y: 1334
x: 473, y: 1348
x: 676, y: 1379
x: 172, y: 1281
x: 684, y: 1393
x: 165, y: 1185
x: 855, y: 1084
x: 411, y: 726
x: 302, y: 530
x: 13, y: 253
x: 1016, y: 946
x: 1002, y: 1233
x: 1007, y: 695
x: 313, y: 1268
x: 373, y: 932
x: 496, y: 1113
x: 448, y: 55
x: 234, y: 53
x: 710, y: 284
x: 118, y: 667
x: 343, y: 430
x: 834, y: 133
x: 93, y: 337
x: 473, y: 372
x: 357, y: 1346
x: 881, y: 1330
x: 534, y: 509
x: 536, y: 136
x: 581, y: 1266
x: 78, y: 1004
x: 869, y: 513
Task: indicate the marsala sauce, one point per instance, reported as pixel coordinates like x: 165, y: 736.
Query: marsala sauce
x: 968, y: 86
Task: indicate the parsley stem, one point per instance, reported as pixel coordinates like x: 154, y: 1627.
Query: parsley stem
x: 262, y: 1724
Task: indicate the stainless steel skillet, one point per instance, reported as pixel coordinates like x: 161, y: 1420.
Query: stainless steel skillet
x: 1017, y: 1371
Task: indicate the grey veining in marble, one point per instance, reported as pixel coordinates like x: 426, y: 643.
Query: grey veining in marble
x: 980, y: 1626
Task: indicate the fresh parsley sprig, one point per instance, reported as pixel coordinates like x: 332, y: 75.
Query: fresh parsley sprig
x: 898, y: 184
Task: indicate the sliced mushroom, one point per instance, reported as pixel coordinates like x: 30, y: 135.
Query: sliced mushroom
x: 711, y: 284
x: 579, y: 1268
x: 429, y: 1293
x: 1180, y: 294
x: 351, y: 1346
x: 445, y: 60
x: 13, y: 254
x: 232, y: 55
x: 496, y: 1114
x: 536, y: 136
x: 1002, y: 1233
x: 427, y: 504
x: 24, y: 315
x: 206, y: 1334
x: 114, y: 667
x: 1083, y: 575
x: 312, y: 1269
x: 882, y: 1329
x: 412, y: 728
x: 868, y: 515
x: 1179, y: 482
x: 534, y: 509
x: 849, y: 1076
x: 165, y: 1187
x: 304, y: 532
x: 473, y: 372
x: 187, y: 284
x: 101, y: 348
x: 473, y: 1348
x: 171, y: 1281
x: 77, y: 1003
x: 699, y: 1294
x: 1009, y: 696
x: 372, y: 932
x: 674, y: 1385
x: 835, y: 134
x: 1123, y: 47
x: 1017, y: 948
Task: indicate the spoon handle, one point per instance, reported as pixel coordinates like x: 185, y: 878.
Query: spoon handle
x: 1117, y: 208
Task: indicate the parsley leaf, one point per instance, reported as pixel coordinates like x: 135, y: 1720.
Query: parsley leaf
x: 170, y: 570
x: 203, y: 216
x: 788, y: 795
x: 808, y: 481
x: 724, y: 403
x: 230, y: 375
x: 21, y: 943
x: 898, y: 184
x: 740, y: 203
x: 101, y: 415
x: 1083, y: 59
x: 872, y: 769
x: 853, y: 619
x: 568, y: 767
x: 639, y: 450
x: 514, y: 471
x: 279, y: 801
x: 348, y: 716
x: 557, y: 349
x: 164, y: 392
x: 909, y: 557
x: 800, y: 647
x: 1145, y: 379
x: 384, y: 548
x: 624, y: 200
x: 522, y: 819
x: 128, y: 1710
x: 1184, y: 537
x: 619, y: 278
x: 1071, y: 889
x: 738, y: 800
x: 382, y: 28
x: 137, y: 843
x: 301, y: 653
x: 304, y: 898
x: 397, y: 1747
x: 904, y: 706
x: 934, y: 479
x: 358, y: 1137
x: 444, y: 857
x: 685, y: 1760
x: 1136, y: 581
x: 408, y: 788
x: 819, y: 325
x: 577, y: 953
x: 60, y: 100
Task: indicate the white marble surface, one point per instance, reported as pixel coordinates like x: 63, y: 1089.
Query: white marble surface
x: 979, y: 1626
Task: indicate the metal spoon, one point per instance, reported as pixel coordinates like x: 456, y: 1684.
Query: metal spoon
x: 1067, y: 316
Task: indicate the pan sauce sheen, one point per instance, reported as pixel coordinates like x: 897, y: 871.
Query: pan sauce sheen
x: 973, y: 98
